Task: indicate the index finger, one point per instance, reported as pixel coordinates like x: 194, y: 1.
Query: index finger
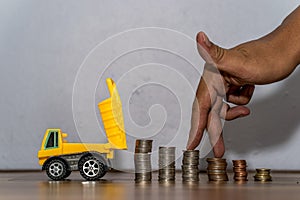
x: 200, y: 111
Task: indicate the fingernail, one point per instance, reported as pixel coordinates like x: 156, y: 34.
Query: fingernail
x: 206, y: 40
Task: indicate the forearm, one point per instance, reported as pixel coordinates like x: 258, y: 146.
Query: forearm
x: 291, y: 35
x: 275, y: 55
x: 286, y: 40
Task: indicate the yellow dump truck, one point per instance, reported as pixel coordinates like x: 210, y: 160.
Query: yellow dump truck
x: 59, y: 158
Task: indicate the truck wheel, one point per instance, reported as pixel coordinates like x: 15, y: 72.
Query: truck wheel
x: 91, y: 168
x: 56, y: 170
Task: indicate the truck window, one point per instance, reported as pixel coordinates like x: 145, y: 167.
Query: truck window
x: 52, y: 141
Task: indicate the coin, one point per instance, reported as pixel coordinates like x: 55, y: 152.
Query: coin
x: 240, y: 170
x: 263, y: 175
x: 142, y: 160
x: 166, y: 164
x: 143, y: 146
x: 190, y: 166
x: 216, y: 169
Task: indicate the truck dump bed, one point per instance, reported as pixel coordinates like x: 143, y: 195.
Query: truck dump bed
x: 112, y: 117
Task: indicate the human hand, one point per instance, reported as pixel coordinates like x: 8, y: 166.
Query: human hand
x: 209, y: 109
x: 230, y: 74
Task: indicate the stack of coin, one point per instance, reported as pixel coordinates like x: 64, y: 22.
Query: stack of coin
x: 263, y: 175
x: 190, y: 166
x: 142, y: 160
x: 216, y: 169
x: 240, y: 171
x: 166, y: 164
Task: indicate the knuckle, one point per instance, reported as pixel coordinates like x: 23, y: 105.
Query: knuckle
x: 219, y: 54
x: 244, y: 100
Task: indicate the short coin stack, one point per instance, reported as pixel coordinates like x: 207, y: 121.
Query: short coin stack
x: 190, y: 166
x: 240, y: 171
x: 142, y: 160
x: 216, y: 169
x: 263, y: 175
x: 166, y: 164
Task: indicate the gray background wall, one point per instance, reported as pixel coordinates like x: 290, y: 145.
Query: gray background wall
x: 55, y: 56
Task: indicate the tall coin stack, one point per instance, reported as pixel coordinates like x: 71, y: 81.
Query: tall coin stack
x: 166, y: 164
x: 216, y: 169
x: 263, y: 175
x: 240, y: 171
x: 190, y: 166
x: 142, y: 160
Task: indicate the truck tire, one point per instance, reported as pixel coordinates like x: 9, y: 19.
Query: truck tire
x: 67, y: 174
x: 56, y: 169
x: 91, y: 168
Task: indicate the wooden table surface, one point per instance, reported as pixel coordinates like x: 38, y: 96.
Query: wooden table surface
x: 36, y: 185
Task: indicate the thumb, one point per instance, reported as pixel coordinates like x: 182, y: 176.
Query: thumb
x: 210, y: 52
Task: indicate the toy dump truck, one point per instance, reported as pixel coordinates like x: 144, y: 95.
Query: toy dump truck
x: 59, y: 158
